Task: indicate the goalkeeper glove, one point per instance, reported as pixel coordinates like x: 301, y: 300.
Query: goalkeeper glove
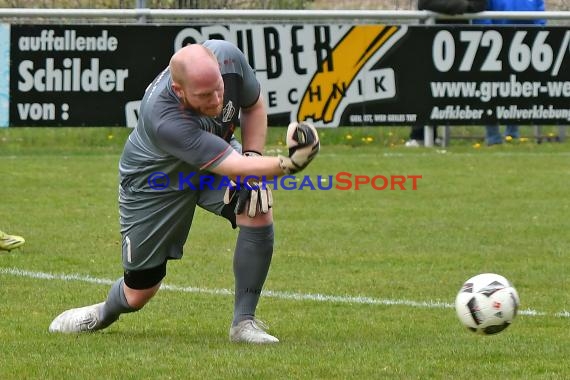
x: 303, y: 143
x: 255, y: 195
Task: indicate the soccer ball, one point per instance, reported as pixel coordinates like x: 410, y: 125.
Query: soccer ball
x: 487, y: 303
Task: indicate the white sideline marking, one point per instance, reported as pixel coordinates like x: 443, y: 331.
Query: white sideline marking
x: 267, y: 293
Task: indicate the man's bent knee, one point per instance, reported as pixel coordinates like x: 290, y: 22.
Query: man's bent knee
x: 260, y: 220
x: 141, y: 285
x: 137, y: 298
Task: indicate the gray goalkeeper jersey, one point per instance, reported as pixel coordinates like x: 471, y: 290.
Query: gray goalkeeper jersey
x: 176, y: 141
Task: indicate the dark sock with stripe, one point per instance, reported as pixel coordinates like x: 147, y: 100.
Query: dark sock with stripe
x: 252, y: 257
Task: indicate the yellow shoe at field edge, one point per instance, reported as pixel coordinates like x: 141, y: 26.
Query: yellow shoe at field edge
x: 10, y: 242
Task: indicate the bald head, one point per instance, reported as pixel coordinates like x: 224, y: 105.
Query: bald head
x: 197, y: 79
x: 193, y: 62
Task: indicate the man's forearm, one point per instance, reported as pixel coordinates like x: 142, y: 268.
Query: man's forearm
x: 254, y: 127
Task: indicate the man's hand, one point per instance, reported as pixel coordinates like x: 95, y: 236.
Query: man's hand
x: 303, y: 143
x: 254, y: 195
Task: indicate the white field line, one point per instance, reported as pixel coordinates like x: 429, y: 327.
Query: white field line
x: 266, y: 293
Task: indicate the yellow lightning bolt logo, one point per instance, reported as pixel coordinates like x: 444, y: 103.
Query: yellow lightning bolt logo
x: 325, y: 91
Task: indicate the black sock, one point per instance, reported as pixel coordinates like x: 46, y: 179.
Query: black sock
x: 252, y: 257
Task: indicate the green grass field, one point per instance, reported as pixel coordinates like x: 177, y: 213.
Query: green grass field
x: 362, y: 282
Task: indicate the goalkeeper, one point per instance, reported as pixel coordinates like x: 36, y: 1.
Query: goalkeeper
x: 186, y: 125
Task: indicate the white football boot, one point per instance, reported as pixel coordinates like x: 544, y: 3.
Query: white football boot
x: 83, y: 319
x: 251, y: 331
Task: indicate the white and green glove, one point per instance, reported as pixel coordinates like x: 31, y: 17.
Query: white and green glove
x: 303, y: 143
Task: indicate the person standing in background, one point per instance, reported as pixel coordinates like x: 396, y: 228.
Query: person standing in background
x: 492, y: 133
x: 450, y: 7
